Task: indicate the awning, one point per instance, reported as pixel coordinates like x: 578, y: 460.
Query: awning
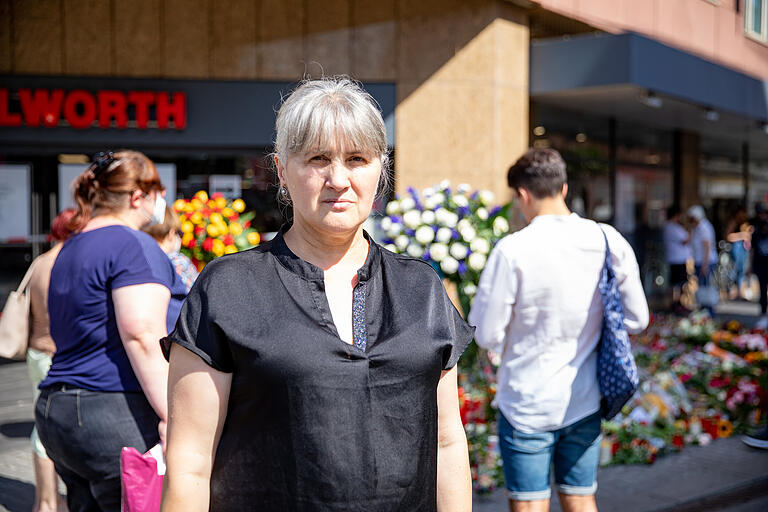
x: 632, y: 77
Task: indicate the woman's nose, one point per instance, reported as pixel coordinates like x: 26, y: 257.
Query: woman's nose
x: 338, y: 175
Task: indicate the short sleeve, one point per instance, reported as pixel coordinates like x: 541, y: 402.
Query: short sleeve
x: 196, y: 329
x: 461, y: 333
x: 139, y: 262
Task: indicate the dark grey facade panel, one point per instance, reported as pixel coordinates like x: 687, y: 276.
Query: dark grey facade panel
x: 559, y: 65
x: 220, y: 114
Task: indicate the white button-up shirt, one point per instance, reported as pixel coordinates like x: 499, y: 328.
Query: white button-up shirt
x: 539, y: 306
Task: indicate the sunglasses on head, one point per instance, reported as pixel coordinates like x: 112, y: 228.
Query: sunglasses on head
x: 102, y: 161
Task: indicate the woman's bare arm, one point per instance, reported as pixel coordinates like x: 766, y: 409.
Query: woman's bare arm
x: 140, y: 311
x: 454, y: 481
x: 197, y: 399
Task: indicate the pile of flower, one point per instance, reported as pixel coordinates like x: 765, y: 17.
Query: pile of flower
x: 452, y: 230
x: 698, y: 383
x: 214, y: 226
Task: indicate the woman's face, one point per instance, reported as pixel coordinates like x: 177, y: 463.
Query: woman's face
x: 331, y: 191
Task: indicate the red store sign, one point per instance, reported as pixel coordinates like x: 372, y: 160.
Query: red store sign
x: 83, y: 109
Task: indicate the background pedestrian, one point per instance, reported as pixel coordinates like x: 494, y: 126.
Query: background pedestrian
x: 538, y: 305
x: 39, y: 354
x: 108, y: 297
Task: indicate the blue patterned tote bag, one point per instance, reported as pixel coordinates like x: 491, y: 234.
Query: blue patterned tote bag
x: 616, y: 369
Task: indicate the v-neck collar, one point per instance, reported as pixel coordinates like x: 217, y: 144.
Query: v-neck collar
x: 306, y: 270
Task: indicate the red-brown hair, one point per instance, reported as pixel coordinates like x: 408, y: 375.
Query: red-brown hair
x: 107, y: 185
x: 60, y: 226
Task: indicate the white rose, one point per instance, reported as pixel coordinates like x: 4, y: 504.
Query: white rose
x: 395, y: 229
x: 451, y: 219
x: 480, y: 245
x: 449, y: 265
x: 476, y: 261
x: 460, y: 200
x: 425, y: 235
x: 459, y: 251
x: 482, y: 213
x: 428, y: 192
x: 390, y: 248
x: 393, y: 207
x: 412, y: 218
x: 444, y: 235
x: 486, y: 197
x: 469, y: 289
x: 445, y: 184
x: 438, y: 251
x: 401, y: 242
x: 407, y: 203
x: 439, y: 197
x: 463, y: 224
x: 468, y: 234
x: 500, y: 226
x: 463, y: 188
x: 385, y: 224
x: 430, y: 203
x: 428, y: 217
x: 415, y: 251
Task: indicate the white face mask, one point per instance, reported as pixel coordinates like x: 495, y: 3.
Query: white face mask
x: 158, y: 213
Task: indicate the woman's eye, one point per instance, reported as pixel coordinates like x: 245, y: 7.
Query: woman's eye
x: 358, y: 160
x: 318, y: 158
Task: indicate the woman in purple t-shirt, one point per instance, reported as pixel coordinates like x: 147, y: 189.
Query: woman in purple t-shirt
x: 110, y: 289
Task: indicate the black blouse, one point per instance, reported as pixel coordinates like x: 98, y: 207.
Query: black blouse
x: 314, y: 423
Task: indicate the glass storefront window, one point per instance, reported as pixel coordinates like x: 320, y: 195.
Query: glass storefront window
x: 643, y: 178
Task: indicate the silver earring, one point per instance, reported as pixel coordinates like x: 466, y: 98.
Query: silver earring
x: 283, y: 191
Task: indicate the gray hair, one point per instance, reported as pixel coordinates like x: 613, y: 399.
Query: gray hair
x: 320, y: 111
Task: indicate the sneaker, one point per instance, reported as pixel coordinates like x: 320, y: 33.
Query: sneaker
x: 758, y: 439
x: 762, y: 323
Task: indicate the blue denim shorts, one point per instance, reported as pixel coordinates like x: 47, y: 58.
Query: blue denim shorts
x: 528, y: 458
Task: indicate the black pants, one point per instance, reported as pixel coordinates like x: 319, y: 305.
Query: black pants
x: 83, y: 432
x: 760, y: 268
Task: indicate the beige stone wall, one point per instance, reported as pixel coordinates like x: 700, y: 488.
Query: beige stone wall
x: 460, y: 66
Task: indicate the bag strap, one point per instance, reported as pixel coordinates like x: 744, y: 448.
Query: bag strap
x: 607, y: 248
x: 27, y: 277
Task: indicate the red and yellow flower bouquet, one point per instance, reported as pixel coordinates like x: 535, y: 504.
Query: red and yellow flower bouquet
x: 214, y: 226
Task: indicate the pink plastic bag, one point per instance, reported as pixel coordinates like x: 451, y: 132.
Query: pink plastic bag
x: 142, y: 479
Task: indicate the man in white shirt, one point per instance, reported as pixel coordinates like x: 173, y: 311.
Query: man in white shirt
x: 539, y: 306
x: 677, y: 249
x: 704, y: 248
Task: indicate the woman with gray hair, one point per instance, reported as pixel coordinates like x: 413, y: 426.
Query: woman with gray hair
x: 317, y: 372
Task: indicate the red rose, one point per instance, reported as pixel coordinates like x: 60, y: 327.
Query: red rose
x: 247, y: 224
x: 208, y: 244
x: 199, y: 230
x: 677, y: 441
x: 228, y: 240
x: 191, y: 243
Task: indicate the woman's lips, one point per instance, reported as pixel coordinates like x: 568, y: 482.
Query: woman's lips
x: 339, y: 204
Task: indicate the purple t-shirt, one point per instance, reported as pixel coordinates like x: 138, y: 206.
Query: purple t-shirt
x: 89, y: 351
